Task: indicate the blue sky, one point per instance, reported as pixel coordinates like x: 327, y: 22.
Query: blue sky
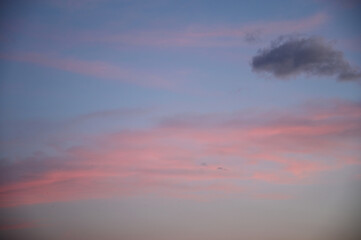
x: 151, y: 119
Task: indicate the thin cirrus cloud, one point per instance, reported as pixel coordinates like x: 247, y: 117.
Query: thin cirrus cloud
x: 210, y: 36
x: 94, y: 68
x: 187, y: 161
x: 291, y: 56
x: 191, y: 36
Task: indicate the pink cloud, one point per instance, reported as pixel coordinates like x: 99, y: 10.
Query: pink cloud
x: 190, y: 36
x: 305, y: 168
x: 216, y: 158
x: 273, y: 177
x: 15, y: 226
x: 208, y: 36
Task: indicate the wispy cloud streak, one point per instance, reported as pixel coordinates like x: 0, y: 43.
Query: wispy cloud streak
x: 93, y: 68
x: 195, y: 158
x: 15, y: 226
x: 195, y: 35
x: 207, y: 36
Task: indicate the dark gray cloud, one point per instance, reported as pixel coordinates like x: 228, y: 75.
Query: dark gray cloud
x: 221, y: 168
x: 290, y: 56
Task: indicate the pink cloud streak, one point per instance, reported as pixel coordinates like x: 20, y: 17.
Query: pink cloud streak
x: 190, y: 36
x: 93, y: 68
x: 206, y: 36
x: 15, y: 226
x: 192, y: 160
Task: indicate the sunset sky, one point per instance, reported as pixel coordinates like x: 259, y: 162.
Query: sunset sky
x: 180, y: 120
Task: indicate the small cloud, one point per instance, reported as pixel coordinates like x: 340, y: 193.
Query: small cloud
x: 252, y: 37
x: 291, y: 56
x: 221, y: 168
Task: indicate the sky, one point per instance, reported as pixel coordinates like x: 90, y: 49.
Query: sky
x: 182, y: 120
